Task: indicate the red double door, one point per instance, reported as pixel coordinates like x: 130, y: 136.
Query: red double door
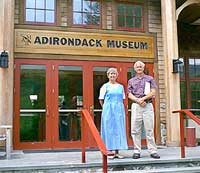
x: 49, y: 94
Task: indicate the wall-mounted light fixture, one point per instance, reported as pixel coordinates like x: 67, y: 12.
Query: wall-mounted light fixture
x: 4, y: 59
x: 176, y: 63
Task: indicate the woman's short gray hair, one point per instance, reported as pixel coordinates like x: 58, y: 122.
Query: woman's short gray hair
x: 112, y: 70
x: 139, y: 62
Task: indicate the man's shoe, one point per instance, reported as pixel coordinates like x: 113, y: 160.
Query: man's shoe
x: 136, y: 156
x: 155, y: 156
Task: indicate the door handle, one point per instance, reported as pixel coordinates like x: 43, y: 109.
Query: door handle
x: 92, y: 109
x: 47, y: 110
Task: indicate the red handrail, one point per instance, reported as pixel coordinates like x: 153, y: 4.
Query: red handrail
x: 86, y: 118
x: 183, y: 112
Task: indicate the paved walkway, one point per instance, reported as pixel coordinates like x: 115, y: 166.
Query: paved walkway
x: 20, y: 159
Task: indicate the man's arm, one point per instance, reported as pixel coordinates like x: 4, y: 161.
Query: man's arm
x: 133, y: 98
x: 151, y: 94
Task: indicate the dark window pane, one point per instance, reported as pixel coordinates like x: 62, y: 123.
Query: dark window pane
x: 120, y: 9
x: 138, y: 11
x: 95, y: 7
x: 191, y: 68
x: 95, y: 19
x: 87, y: 18
x: 138, y: 23
x: 129, y: 22
x: 121, y: 21
x: 130, y: 16
x: 194, y: 81
x: 70, y: 97
x: 183, y: 94
x: 130, y: 11
x: 32, y: 127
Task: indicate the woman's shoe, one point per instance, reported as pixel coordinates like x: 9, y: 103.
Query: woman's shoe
x: 118, y: 156
x: 111, y: 156
x: 110, y: 153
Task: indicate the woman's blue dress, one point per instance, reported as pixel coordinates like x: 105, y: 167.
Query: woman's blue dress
x: 113, y: 131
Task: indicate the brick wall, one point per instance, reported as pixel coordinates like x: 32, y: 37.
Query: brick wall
x: 17, y: 11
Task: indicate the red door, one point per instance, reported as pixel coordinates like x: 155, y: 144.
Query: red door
x: 49, y: 95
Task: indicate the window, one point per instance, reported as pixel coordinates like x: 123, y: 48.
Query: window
x: 190, y: 83
x: 130, y: 17
x: 40, y: 11
x: 194, y: 84
x: 86, y: 13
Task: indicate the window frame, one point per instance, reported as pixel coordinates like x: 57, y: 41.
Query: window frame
x: 85, y: 25
x: 125, y: 28
x: 187, y: 99
x: 41, y: 23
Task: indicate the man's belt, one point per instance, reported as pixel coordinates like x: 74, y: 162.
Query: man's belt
x: 147, y: 101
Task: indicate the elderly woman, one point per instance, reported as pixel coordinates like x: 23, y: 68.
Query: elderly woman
x: 113, y: 115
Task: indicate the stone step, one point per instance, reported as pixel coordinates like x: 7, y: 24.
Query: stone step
x: 164, y: 170
x: 118, y: 166
x: 70, y: 162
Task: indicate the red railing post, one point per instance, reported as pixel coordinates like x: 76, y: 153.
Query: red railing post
x: 87, y: 120
x: 186, y: 112
x: 182, y: 142
x: 105, y: 167
x: 83, y: 137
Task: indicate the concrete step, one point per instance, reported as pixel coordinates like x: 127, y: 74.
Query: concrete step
x: 176, y: 166
x: 70, y: 162
x: 118, y: 166
x: 164, y: 170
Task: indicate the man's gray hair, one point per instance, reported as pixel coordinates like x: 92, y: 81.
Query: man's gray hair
x: 139, y: 62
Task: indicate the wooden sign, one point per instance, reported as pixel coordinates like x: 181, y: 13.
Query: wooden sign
x: 78, y: 43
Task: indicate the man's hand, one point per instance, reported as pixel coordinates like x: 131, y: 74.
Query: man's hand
x: 141, y: 102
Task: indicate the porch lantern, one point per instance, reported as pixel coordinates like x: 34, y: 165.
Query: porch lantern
x: 4, y: 59
x: 176, y: 63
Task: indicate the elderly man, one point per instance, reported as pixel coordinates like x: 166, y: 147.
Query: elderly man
x: 141, y: 90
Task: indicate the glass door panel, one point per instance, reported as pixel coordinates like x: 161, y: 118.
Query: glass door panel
x: 32, y: 103
x: 70, y: 101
